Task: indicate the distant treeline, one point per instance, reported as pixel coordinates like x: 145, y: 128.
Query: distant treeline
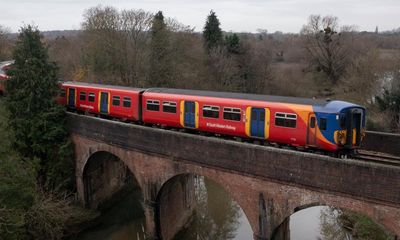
x: 143, y: 49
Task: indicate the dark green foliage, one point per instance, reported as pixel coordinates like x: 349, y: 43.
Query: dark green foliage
x: 17, y: 194
x: 160, y: 67
x: 17, y: 185
x: 390, y: 102
x: 212, y: 33
x: 37, y: 121
x: 233, y: 44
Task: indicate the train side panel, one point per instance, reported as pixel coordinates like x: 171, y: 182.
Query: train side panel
x: 295, y: 136
x: 120, y: 103
x: 153, y: 110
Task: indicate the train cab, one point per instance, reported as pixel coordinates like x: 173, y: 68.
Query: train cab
x: 352, y: 125
x: 342, y: 124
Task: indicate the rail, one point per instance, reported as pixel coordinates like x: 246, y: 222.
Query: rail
x: 378, y: 157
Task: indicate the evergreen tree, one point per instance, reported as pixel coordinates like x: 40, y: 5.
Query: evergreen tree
x: 37, y: 121
x: 233, y: 43
x: 159, y: 57
x: 212, y: 33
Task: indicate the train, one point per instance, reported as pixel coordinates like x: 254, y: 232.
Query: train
x: 317, y: 125
x: 3, y: 75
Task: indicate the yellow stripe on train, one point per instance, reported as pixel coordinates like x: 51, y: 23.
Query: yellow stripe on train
x: 182, y: 113
x: 267, y: 122
x: 248, y: 121
x: 196, y: 116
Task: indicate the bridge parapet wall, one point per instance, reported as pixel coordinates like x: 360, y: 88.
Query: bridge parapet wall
x: 382, y: 142
x: 366, y: 181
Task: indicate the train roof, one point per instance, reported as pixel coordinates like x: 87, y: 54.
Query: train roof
x: 320, y: 105
x: 245, y: 96
x: 95, y: 85
x: 3, y: 65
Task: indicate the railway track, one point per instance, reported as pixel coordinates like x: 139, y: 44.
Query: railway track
x: 378, y: 157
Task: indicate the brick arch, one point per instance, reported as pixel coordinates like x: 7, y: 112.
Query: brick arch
x: 83, y: 158
x: 194, y: 172
x: 93, y: 152
x: 356, y: 206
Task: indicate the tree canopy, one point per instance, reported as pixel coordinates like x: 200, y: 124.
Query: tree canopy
x: 212, y: 33
x: 159, y: 55
x: 324, y: 45
x: 37, y: 121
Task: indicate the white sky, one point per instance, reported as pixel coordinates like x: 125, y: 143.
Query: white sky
x: 234, y: 15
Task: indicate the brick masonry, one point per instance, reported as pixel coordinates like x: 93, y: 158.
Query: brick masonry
x: 269, y: 184
x: 382, y: 142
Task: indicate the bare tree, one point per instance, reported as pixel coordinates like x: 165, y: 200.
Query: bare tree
x: 102, y: 44
x: 325, y: 46
x: 135, y: 25
x: 4, y: 44
x: 223, y: 70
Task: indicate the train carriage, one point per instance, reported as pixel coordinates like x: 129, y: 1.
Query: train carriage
x: 319, y: 124
x: 106, y: 100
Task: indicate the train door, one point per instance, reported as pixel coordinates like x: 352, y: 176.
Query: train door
x: 71, y: 97
x: 357, y: 117
x: 190, y: 114
x: 312, y: 132
x: 257, y: 125
x: 353, y: 127
x: 104, y: 102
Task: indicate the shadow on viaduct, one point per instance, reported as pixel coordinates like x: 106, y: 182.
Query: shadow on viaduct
x: 269, y: 184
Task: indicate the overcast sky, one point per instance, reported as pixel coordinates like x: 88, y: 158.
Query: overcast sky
x: 237, y: 16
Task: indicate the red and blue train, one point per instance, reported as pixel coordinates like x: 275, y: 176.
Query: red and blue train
x: 335, y: 127
x: 3, y: 76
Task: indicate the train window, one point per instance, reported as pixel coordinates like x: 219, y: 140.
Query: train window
x: 127, y: 102
x: 153, y: 105
x: 322, y: 123
x: 63, y: 92
x: 343, y: 121
x: 169, y: 107
x: 91, y: 97
x: 286, y: 120
x: 232, y: 114
x: 82, y: 96
x: 211, y: 111
x: 116, y: 100
x: 283, y: 115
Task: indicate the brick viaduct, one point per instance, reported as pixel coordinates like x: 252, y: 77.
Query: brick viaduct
x: 268, y: 183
